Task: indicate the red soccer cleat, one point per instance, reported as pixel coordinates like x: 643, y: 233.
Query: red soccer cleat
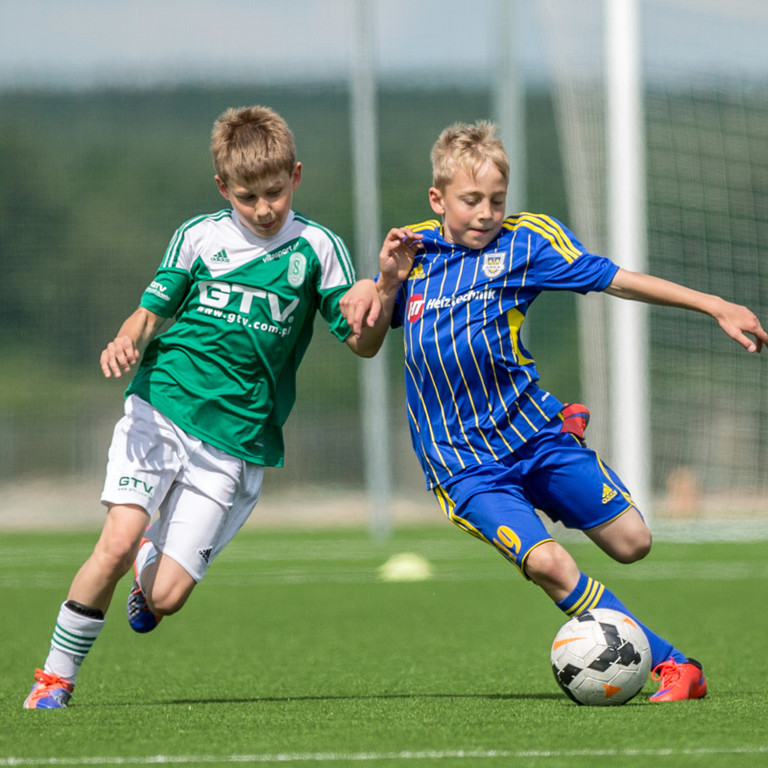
x: 679, y: 682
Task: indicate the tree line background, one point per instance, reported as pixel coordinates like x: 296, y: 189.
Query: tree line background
x: 94, y: 185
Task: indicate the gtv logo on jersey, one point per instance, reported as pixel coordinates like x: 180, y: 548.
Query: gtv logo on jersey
x: 217, y: 295
x: 415, y: 307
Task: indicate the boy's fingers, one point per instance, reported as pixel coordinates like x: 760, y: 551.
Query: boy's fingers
x: 355, y: 312
x: 104, y: 362
x: 118, y: 358
x: 373, y: 315
x: 745, y: 341
x: 411, y: 239
x: 110, y: 365
x: 353, y: 319
x: 359, y: 318
x: 761, y: 337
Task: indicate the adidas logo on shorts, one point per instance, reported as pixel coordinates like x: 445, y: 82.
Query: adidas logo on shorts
x: 205, y: 554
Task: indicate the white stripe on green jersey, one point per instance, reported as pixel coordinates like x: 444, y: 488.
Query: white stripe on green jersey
x: 244, y: 308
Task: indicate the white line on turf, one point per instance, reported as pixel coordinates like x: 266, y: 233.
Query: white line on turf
x: 444, y: 571
x: 331, y: 757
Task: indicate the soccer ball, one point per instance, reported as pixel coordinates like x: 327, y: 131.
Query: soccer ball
x: 601, y: 657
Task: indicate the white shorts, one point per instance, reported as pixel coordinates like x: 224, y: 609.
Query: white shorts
x: 202, y: 494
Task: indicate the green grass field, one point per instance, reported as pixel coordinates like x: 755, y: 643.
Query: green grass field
x: 294, y: 652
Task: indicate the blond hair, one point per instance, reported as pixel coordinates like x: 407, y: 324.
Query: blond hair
x: 249, y: 143
x: 466, y: 147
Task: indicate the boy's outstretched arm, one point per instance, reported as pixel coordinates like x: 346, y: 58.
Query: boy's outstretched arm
x: 737, y: 321
x: 368, y: 305
x: 123, y: 352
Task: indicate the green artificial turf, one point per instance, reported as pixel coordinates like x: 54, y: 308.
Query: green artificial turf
x: 294, y: 652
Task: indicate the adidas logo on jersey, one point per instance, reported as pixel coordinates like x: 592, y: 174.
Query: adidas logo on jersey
x: 417, y: 273
x: 221, y: 256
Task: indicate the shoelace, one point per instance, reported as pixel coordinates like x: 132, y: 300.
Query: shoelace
x: 137, y: 603
x: 668, y: 672
x: 49, y: 680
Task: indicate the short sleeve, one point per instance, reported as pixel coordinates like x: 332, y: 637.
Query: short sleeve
x: 165, y: 294
x: 561, y: 263
x: 335, y: 277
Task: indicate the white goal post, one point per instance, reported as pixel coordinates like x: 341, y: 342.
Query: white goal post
x: 662, y: 110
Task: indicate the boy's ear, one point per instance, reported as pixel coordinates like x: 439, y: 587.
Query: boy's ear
x: 222, y: 187
x: 436, y: 200
x: 296, y: 175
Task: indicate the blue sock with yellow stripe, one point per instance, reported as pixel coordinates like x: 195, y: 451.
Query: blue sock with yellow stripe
x: 592, y: 594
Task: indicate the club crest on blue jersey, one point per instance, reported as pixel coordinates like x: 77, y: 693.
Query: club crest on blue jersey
x: 493, y: 263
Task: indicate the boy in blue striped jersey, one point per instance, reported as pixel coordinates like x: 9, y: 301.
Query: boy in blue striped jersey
x: 204, y: 412
x: 493, y: 445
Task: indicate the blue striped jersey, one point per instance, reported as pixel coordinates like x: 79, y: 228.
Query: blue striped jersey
x: 471, y: 386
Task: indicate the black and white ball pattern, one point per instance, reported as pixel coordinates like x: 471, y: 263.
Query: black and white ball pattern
x: 601, y: 657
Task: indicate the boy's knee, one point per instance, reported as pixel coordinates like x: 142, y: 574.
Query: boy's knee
x: 115, y: 553
x: 119, y: 541
x: 626, y: 539
x: 552, y: 568
x: 634, y: 548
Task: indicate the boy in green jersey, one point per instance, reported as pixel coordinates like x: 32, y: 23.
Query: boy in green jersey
x: 205, y: 410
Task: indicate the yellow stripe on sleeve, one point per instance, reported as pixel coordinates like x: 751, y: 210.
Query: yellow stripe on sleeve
x: 547, y: 228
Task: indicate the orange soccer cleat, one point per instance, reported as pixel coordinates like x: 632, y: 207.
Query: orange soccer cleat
x: 49, y: 691
x: 679, y: 681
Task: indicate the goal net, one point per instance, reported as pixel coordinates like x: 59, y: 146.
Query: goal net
x: 705, y: 126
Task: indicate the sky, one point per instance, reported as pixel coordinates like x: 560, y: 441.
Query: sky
x: 93, y: 41
x: 85, y: 43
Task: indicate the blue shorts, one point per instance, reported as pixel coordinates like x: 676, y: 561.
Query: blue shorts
x: 555, y: 473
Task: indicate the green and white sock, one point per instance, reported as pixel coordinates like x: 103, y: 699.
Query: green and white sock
x: 77, y: 628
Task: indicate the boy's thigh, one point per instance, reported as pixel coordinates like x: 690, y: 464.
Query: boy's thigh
x: 572, y: 485
x: 496, y: 510
x: 202, y: 494
x: 146, y: 454
x: 205, y: 508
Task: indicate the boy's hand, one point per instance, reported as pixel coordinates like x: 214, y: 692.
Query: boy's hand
x: 396, y: 256
x: 367, y: 306
x: 361, y: 304
x: 119, y: 357
x: 738, y: 321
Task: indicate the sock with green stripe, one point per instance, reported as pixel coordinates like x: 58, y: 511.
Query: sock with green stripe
x: 589, y: 593
x: 77, y: 628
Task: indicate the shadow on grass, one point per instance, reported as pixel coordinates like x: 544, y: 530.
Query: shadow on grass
x: 372, y: 697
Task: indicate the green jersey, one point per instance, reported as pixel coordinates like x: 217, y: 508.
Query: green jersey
x: 244, y: 307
